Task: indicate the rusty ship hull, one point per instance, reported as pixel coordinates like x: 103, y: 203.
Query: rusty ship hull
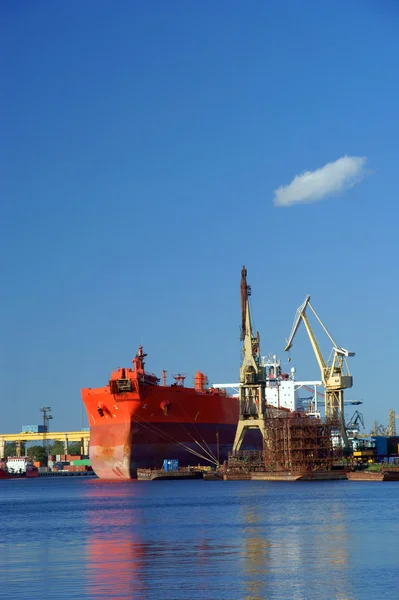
x: 137, y: 423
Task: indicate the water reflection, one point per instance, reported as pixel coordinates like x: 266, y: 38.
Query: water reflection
x: 336, y: 545
x: 75, y: 539
x: 256, y: 558
x: 175, y: 542
x: 141, y: 546
x: 300, y: 545
x: 114, y: 550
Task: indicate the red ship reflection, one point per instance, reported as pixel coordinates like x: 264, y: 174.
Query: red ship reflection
x: 114, y: 550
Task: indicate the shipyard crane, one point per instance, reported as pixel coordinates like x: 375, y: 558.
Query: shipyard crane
x: 335, y: 373
x: 252, y: 387
x: 355, y: 420
x: 390, y: 430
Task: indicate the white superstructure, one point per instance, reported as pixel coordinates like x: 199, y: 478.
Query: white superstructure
x: 18, y: 465
x: 282, y: 390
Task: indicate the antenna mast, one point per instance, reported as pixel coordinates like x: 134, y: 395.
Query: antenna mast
x: 46, y: 410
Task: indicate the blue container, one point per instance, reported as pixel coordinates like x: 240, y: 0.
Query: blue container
x: 33, y: 429
x: 171, y: 464
x: 393, y: 443
x: 381, y: 445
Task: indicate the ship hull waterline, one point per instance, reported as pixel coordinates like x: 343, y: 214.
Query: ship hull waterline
x: 121, y: 455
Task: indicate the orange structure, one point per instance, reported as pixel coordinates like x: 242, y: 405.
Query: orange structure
x: 137, y: 423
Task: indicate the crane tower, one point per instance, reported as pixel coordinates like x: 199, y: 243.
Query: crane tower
x: 252, y: 375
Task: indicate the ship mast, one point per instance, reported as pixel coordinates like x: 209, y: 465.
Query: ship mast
x: 252, y: 374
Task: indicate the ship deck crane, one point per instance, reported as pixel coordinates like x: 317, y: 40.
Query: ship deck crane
x: 335, y: 374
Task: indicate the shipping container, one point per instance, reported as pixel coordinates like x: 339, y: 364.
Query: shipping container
x: 29, y: 428
x: 82, y: 461
x: 33, y: 429
x: 170, y: 464
x: 381, y: 446
x: 392, y: 443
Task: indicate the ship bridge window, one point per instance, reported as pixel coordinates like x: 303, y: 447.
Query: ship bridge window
x: 123, y: 385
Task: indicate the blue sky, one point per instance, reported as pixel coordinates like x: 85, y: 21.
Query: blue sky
x: 142, y: 144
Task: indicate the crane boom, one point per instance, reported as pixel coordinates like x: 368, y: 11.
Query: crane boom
x: 335, y: 375
x: 316, y: 348
x: 301, y: 316
x: 251, y: 348
x: 245, y: 292
x: 297, y: 322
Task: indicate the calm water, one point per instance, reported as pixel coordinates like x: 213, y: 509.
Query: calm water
x: 78, y: 538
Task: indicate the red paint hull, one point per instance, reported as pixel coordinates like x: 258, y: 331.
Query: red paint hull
x: 29, y: 473
x: 136, y: 431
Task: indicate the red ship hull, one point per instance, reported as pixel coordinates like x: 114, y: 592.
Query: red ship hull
x: 140, y: 430
x: 32, y: 472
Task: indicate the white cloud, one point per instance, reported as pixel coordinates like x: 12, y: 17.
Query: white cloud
x: 312, y: 186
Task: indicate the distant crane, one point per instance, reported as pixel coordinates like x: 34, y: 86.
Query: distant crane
x: 392, y: 423
x: 390, y: 430
x: 335, y: 374
x: 354, y: 421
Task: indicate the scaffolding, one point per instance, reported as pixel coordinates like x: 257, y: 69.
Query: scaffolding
x: 291, y: 442
x: 246, y: 461
x: 299, y: 443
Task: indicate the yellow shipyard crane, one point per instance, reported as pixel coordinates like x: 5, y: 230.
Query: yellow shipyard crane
x: 252, y: 375
x: 335, y: 373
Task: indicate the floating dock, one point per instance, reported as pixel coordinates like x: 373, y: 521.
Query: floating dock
x: 287, y: 476
x: 160, y: 474
x: 383, y: 475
